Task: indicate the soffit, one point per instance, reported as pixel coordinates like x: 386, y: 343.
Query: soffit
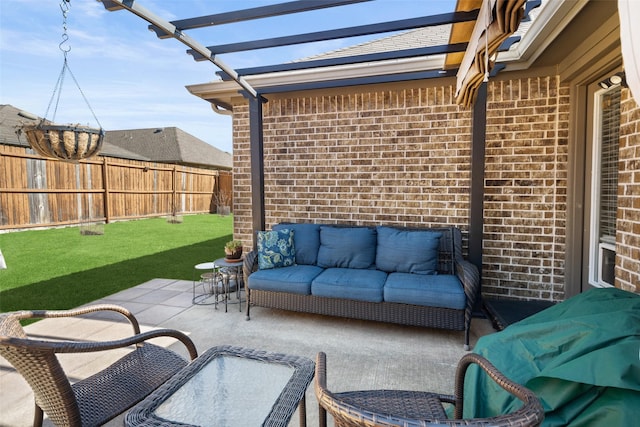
x: 587, y: 22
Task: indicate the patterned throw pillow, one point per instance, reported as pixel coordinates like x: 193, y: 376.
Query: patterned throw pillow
x: 275, y: 249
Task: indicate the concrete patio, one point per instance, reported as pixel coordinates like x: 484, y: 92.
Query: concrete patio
x: 360, y: 354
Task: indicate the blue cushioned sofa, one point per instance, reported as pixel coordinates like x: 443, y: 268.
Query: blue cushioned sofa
x: 391, y: 274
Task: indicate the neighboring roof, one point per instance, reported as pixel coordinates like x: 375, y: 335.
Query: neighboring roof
x: 167, y: 145
x: 421, y: 37
x: 170, y: 145
x: 110, y: 150
x: 11, y: 119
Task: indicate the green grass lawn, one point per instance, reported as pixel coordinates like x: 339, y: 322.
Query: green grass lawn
x: 60, y: 268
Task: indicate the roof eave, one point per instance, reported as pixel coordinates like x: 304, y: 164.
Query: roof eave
x: 553, y: 18
x: 225, y: 91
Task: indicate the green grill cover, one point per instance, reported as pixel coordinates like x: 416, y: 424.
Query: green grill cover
x: 580, y: 357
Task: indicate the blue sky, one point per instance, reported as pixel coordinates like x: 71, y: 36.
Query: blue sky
x: 134, y: 80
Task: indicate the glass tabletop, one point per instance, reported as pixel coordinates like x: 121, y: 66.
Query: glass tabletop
x: 229, y: 386
x: 226, y: 390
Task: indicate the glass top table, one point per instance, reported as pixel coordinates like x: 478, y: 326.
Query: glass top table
x: 230, y: 386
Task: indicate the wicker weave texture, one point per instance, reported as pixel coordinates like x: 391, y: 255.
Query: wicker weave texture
x: 404, y: 314
x: 101, y: 397
x: 403, y: 408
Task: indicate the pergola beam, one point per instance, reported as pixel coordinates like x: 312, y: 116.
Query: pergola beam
x: 358, y: 59
x: 255, y: 13
x: 361, y: 30
x: 359, y: 81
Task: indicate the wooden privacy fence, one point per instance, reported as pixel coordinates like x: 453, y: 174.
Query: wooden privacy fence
x: 40, y: 192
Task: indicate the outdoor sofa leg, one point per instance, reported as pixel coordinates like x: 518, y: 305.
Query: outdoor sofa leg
x: 38, y: 415
x: 466, y: 339
x: 302, y: 409
x: 322, y: 421
x: 248, y: 302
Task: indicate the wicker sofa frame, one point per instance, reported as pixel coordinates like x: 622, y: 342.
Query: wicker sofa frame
x: 450, y: 261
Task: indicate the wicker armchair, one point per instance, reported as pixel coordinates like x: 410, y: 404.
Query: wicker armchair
x: 100, y: 397
x: 414, y: 408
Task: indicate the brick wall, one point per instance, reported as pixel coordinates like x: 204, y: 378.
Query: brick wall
x: 386, y: 157
x: 525, y: 188
x: 628, y: 222
x: 402, y: 157
x: 393, y: 157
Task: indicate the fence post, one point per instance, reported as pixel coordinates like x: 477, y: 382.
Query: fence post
x: 105, y: 187
x: 173, y: 190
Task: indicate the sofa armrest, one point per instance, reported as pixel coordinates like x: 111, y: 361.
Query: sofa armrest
x: 250, y: 264
x: 470, y: 278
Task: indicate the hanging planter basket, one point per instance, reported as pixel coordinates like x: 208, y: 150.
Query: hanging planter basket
x: 68, y: 143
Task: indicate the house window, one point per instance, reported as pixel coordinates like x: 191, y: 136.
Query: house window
x: 604, y: 188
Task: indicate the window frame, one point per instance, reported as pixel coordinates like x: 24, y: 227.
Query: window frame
x: 598, y: 244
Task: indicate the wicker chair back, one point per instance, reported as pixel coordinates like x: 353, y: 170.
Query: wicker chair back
x: 404, y: 408
x: 94, y: 400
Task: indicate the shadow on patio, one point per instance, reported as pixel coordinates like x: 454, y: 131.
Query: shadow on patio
x: 360, y: 354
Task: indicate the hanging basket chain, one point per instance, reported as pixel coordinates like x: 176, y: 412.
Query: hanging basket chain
x: 70, y: 143
x: 65, y: 48
x: 57, y: 91
x: 65, y: 5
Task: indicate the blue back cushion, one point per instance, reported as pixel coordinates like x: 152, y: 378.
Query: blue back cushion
x: 306, y: 239
x: 407, y: 251
x: 275, y: 249
x: 347, y: 247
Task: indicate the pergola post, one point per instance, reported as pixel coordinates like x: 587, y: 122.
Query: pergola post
x: 257, y: 164
x: 476, y: 217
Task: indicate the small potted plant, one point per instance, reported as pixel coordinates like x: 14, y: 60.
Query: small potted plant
x: 233, y: 249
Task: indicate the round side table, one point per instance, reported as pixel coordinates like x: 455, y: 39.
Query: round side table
x: 230, y: 269
x: 209, y: 282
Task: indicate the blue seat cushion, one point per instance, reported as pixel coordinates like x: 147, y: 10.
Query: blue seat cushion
x: 346, y: 283
x: 407, y: 251
x: 347, y: 247
x: 439, y: 290
x: 306, y: 240
x: 295, y: 279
